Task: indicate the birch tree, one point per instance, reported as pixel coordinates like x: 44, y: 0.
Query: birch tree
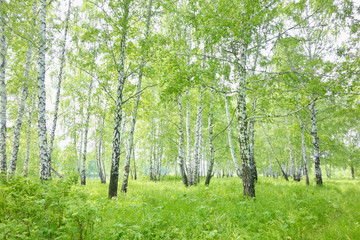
x: 114, y: 174
x: 136, y: 104
x: 316, y: 153
x: 181, y: 154
x: 21, y: 107
x: 3, y: 97
x: 58, y: 87
x: 44, y: 161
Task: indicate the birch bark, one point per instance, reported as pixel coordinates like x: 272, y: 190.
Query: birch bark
x: 44, y: 168
x: 114, y: 173
x: 58, y: 89
x: 181, y: 155
x: 315, y: 144
x: 303, y: 147
x: 248, y: 181
x: 21, y: 107
x: 136, y: 105
x: 3, y: 97
x: 197, y: 139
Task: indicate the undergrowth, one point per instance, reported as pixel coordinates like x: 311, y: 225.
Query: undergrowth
x: 62, y: 209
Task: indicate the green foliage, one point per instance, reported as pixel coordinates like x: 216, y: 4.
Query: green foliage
x: 30, y: 209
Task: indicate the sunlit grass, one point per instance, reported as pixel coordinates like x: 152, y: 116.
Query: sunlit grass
x: 168, y: 210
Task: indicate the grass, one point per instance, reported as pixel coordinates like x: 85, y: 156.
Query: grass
x: 167, y: 210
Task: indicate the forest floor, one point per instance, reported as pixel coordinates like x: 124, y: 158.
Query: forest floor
x: 61, y: 209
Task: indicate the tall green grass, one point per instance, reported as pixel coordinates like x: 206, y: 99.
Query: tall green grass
x: 61, y: 209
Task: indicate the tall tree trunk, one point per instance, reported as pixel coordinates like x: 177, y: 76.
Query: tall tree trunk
x: 211, y: 146
x: 248, y: 181
x: 352, y: 171
x: 87, y: 121
x: 254, y: 173
x: 181, y: 155
x: 136, y: 104
x: 28, y: 138
x: 44, y: 168
x: 238, y: 170
x: 114, y: 173
x: 188, y: 135
x: 3, y: 98
x: 58, y: 88
x: 303, y: 148
x: 316, y: 144
x: 197, y: 139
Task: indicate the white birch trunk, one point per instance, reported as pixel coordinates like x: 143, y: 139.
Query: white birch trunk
x: 114, y: 173
x: 248, y: 181
x: 44, y: 168
x: 87, y: 121
x: 316, y: 144
x: 303, y: 148
x: 58, y: 88
x: 181, y: 155
x: 136, y: 105
x: 197, y: 139
x: 3, y: 98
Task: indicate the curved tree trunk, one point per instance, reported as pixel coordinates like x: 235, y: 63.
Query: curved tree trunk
x: 44, y: 168
x: 58, y: 88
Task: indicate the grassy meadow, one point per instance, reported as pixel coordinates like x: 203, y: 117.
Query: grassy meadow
x: 62, y: 209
